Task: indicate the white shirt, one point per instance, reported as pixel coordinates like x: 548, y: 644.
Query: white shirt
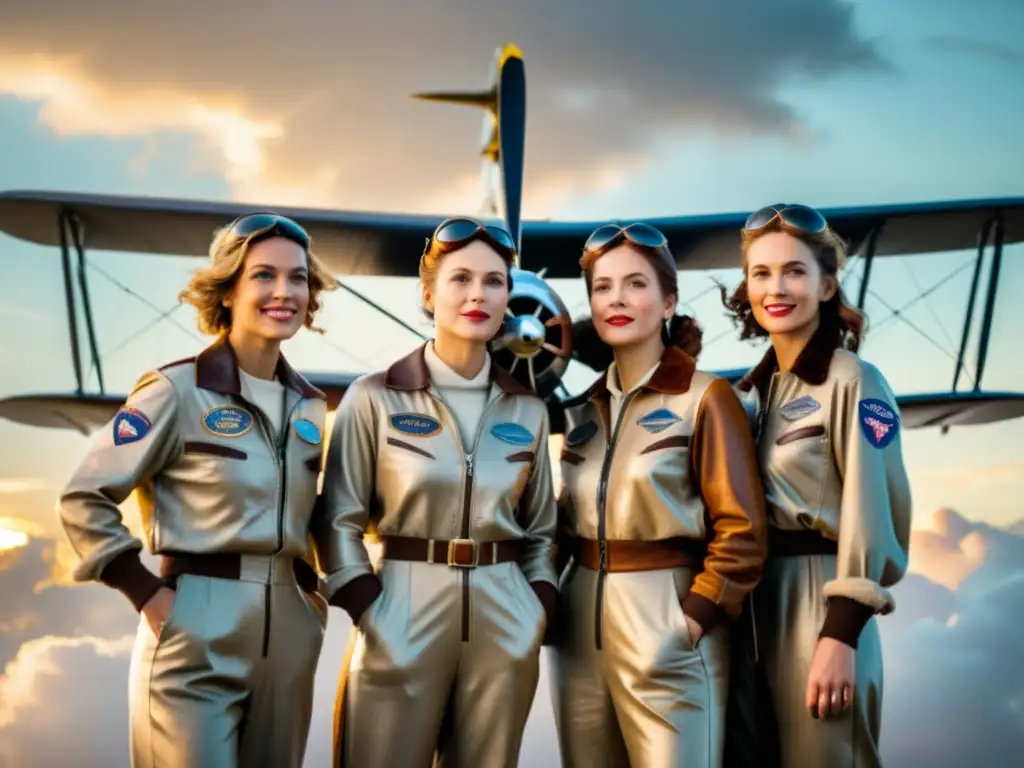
x: 466, y: 398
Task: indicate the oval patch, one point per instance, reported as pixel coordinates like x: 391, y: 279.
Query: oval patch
x: 416, y: 424
x: 658, y: 421
x: 228, y: 421
x: 307, y: 430
x: 514, y: 434
x: 581, y: 434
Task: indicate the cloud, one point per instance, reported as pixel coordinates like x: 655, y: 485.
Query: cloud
x: 308, y: 103
x: 12, y: 486
x: 987, y: 49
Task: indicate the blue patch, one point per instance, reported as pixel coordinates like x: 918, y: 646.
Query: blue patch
x: 514, y: 434
x: 130, y: 426
x: 800, y: 408
x: 878, y: 421
x: 307, y: 430
x: 658, y: 421
x: 416, y: 424
x: 581, y: 434
x: 227, y: 421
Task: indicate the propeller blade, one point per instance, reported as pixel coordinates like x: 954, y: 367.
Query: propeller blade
x: 512, y: 135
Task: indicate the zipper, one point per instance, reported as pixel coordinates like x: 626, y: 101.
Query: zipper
x: 602, y: 498
x: 467, y: 495
x: 761, y: 418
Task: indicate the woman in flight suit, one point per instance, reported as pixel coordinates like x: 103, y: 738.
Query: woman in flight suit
x: 808, y: 682
x: 663, y: 515
x: 224, y: 451
x: 446, y: 455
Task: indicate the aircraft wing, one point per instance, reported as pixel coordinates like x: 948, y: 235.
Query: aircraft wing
x: 88, y: 412
x: 368, y: 243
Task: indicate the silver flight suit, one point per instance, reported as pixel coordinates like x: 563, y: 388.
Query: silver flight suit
x: 663, y: 513
x: 446, y: 656
x: 229, y: 680
x: 839, y: 526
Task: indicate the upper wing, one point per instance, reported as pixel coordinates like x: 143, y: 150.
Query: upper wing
x: 365, y: 243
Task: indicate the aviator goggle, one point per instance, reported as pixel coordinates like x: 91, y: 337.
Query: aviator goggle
x: 801, y: 217
x: 645, y: 236
x: 452, y: 234
x: 261, y: 225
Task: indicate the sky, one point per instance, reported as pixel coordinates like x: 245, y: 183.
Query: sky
x: 642, y: 109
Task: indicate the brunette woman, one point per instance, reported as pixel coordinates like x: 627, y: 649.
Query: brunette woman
x: 808, y: 682
x: 663, y: 515
x: 446, y: 456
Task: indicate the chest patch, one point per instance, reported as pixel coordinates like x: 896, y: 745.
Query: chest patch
x: 658, y: 421
x: 581, y: 434
x: 130, y: 425
x: 307, y: 431
x: 800, y: 408
x: 415, y: 424
x: 512, y: 433
x: 878, y: 422
x: 227, y: 421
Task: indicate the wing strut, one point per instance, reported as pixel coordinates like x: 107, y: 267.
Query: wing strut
x: 990, y: 301
x: 69, y: 223
x: 869, y: 258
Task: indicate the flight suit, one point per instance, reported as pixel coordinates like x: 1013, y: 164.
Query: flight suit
x: 446, y: 656
x: 839, y: 508
x: 663, y: 514
x: 229, y: 679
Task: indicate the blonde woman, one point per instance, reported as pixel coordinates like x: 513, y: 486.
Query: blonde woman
x: 224, y: 451
x: 446, y: 455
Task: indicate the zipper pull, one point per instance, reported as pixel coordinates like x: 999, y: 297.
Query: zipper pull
x: 469, y: 465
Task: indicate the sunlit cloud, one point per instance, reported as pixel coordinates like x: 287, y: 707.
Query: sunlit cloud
x: 12, y: 486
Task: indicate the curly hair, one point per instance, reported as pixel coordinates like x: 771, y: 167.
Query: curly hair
x: 210, y: 285
x: 430, y: 264
x: 837, y: 317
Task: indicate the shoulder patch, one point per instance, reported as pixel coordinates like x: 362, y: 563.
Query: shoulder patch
x: 512, y: 433
x: 581, y: 434
x: 307, y: 430
x: 658, y: 420
x: 227, y: 421
x: 878, y: 421
x: 415, y: 424
x: 800, y: 408
x: 130, y: 426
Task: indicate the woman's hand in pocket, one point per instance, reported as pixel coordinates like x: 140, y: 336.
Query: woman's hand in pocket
x: 158, y: 608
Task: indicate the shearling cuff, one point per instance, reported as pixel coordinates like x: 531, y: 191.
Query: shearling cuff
x: 358, y: 595
x: 845, y: 620
x: 706, y: 613
x: 127, y: 574
x: 864, y: 591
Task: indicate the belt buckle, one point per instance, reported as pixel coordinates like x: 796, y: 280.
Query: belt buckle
x: 452, y: 549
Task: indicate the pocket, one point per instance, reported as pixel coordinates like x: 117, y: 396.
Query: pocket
x: 396, y: 443
x: 317, y: 604
x: 365, y: 622
x: 683, y: 628
x: 522, y: 456
x: 676, y: 441
x: 214, y: 449
x: 179, y: 589
x: 801, y: 433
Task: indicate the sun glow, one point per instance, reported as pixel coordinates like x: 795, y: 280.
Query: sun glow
x: 12, y: 539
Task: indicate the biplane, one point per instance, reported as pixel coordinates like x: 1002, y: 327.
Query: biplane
x: 539, y: 337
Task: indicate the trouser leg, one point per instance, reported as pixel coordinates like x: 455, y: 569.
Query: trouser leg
x: 402, y: 668
x: 281, y: 705
x: 189, y: 685
x: 497, y: 672
x: 669, y: 695
x: 588, y: 730
x: 789, y: 635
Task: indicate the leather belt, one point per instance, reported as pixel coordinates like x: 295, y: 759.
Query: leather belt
x: 457, y: 553
x: 628, y: 555
x: 227, y: 565
x: 782, y: 543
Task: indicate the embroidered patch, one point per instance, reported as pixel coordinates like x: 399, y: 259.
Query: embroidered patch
x: 800, y: 408
x: 307, y: 430
x: 416, y: 424
x: 130, y: 425
x: 581, y: 434
x: 514, y: 434
x: 658, y: 421
x: 227, y: 421
x: 878, y: 421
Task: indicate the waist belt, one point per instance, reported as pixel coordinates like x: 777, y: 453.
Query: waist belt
x: 627, y: 555
x: 227, y: 565
x: 458, y: 553
x: 799, y: 543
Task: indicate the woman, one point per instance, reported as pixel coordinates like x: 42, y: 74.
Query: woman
x: 664, y: 517
x: 838, y: 500
x: 224, y: 451
x: 446, y: 456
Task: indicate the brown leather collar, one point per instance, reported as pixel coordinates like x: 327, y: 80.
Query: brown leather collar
x: 410, y: 373
x: 673, y: 376
x: 812, y: 364
x: 217, y: 371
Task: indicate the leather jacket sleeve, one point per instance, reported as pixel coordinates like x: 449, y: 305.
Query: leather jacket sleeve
x: 725, y: 466
x: 128, y: 453
x: 875, y: 514
x: 539, y: 516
